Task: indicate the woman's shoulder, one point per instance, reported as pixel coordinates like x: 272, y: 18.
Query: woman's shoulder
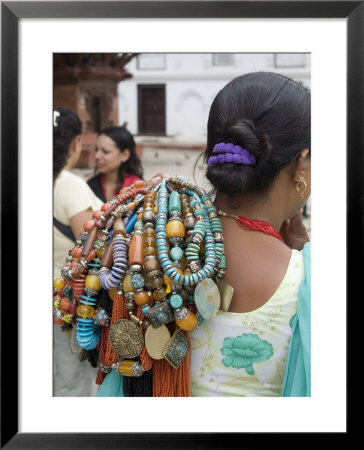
x: 67, y: 179
x: 129, y: 179
x: 94, y: 181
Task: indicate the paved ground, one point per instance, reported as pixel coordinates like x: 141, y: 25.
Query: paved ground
x: 175, y: 162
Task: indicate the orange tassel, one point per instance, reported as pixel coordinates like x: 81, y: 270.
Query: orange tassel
x: 117, y: 313
x: 100, y: 377
x: 171, y: 382
x: 144, y: 357
x: 103, y: 343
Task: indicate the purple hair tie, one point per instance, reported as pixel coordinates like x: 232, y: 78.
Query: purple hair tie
x: 230, y: 153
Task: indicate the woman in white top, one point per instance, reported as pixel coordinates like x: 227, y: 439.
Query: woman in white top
x: 73, y: 204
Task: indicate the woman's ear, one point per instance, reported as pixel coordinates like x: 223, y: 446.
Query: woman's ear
x: 125, y: 155
x: 76, y: 144
x: 303, y: 163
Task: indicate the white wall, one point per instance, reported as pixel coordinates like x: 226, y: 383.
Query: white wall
x: 192, y: 81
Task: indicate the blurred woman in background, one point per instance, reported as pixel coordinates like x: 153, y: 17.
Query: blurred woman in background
x: 117, y: 162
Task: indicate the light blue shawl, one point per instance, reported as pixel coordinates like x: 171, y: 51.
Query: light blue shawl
x: 297, y: 382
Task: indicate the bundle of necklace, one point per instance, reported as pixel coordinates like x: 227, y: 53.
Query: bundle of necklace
x: 145, y: 272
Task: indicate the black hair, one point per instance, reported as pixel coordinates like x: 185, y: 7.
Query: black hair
x: 66, y: 126
x: 269, y: 115
x: 124, y: 140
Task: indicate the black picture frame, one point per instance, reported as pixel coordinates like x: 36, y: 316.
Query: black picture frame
x: 11, y: 12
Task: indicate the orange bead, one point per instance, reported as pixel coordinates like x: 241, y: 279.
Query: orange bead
x: 139, y: 183
x: 175, y: 228
x: 90, y: 241
x: 123, y: 190
x: 74, y: 264
x: 118, y: 226
x: 105, y: 206
x: 188, y: 323
x: 136, y: 249
x: 91, y: 255
x: 58, y: 321
x: 107, y: 257
x: 65, y: 304
x: 97, y: 214
x: 89, y: 225
x: 112, y: 293
x: 131, y: 205
x: 76, y: 252
x: 141, y: 298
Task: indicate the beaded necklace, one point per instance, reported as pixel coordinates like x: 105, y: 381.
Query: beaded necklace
x: 158, y: 254
x: 253, y: 224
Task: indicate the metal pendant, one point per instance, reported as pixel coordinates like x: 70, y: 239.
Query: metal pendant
x: 176, y: 349
x: 126, y: 338
x: 156, y: 340
x: 160, y: 314
x: 207, y: 298
x: 226, y: 294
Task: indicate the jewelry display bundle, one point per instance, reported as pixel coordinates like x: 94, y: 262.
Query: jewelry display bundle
x: 146, y: 270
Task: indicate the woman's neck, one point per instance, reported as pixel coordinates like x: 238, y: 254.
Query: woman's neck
x: 111, y: 178
x: 252, y: 207
x: 109, y: 184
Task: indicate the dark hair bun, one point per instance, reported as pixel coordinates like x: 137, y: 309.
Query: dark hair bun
x: 269, y: 115
x: 236, y: 178
x: 243, y: 132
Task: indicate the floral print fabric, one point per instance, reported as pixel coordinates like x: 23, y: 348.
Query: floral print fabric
x: 244, y: 354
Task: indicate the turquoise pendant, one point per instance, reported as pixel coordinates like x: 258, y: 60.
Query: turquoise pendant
x: 160, y: 314
x: 207, y: 298
x: 176, y: 349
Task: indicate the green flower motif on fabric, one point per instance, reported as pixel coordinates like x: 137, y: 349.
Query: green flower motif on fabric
x: 242, y: 351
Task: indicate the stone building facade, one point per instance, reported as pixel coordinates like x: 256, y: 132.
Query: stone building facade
x: 167, y: 99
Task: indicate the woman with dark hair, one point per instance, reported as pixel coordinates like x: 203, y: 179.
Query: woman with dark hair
x: 117, y: 162
x: 73, y: 204
x: 74, y: 201
x: 259, y: 164
x: 212, y: 294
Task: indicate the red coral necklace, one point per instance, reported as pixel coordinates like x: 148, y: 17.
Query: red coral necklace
x: 253, y: 224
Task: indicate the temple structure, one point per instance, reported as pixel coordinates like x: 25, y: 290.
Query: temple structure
x: 87, y: 83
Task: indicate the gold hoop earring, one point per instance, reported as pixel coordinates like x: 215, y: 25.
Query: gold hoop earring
x: 301, y: 186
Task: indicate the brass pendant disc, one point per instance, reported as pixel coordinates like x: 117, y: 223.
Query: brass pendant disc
x: 156, y: 340
x: 126, y: 338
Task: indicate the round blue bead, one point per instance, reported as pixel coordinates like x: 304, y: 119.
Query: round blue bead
x: 176, y: 301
